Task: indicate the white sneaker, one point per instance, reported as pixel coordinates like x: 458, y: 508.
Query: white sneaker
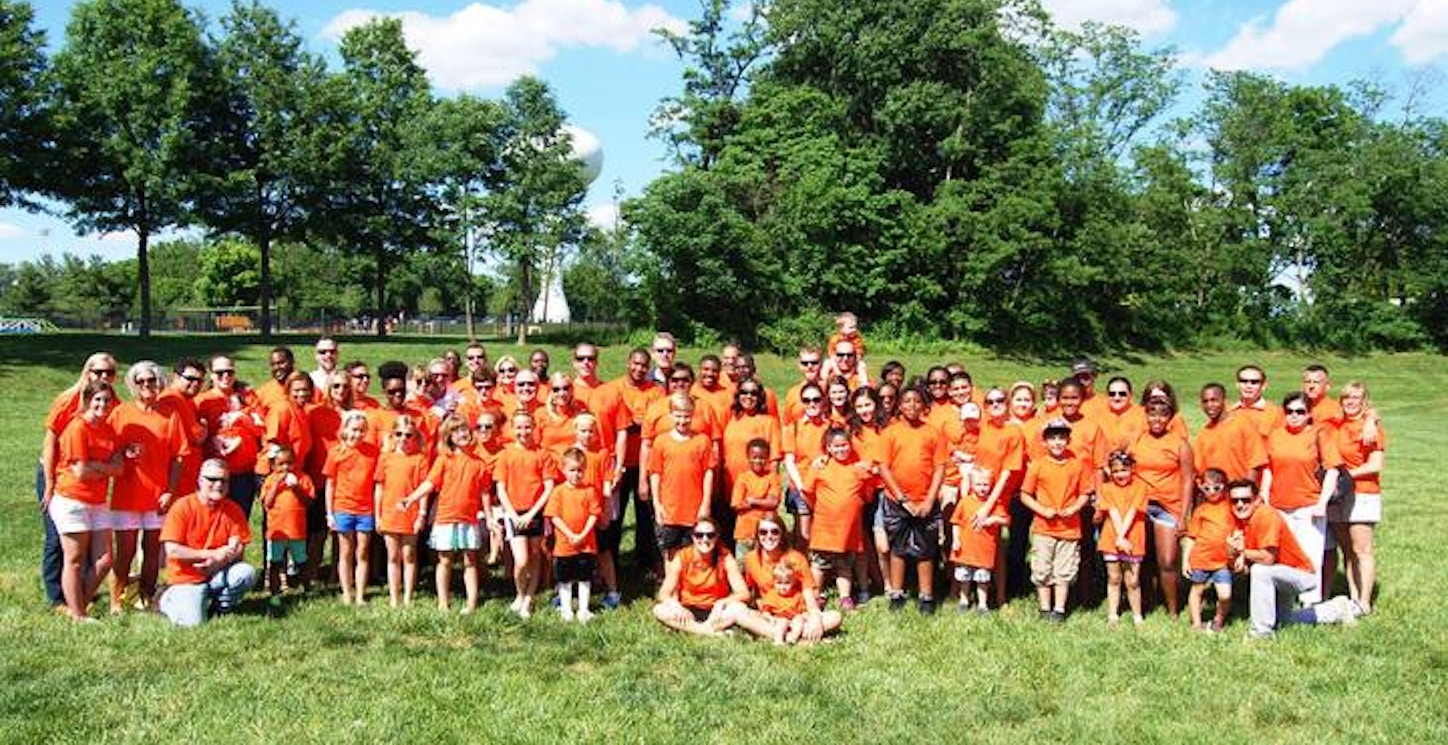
x: 1347, y: 611
x: 516, y: 605
x: 566, y: 613
x: 584, y: 616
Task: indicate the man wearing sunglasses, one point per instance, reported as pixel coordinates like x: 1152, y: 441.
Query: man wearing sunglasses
x: 205, y: 537
x: 1264, y: 415
x: 327, y: 353
x: 811, y: 361
x: 1265, y: 550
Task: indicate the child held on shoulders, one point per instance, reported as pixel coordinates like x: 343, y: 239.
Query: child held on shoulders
x: 974, y: 540
x: 575, y: 509
x: 1121, y: 508
x: 1204, y: 550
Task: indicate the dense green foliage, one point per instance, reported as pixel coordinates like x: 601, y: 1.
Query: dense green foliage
x: 962, y: 169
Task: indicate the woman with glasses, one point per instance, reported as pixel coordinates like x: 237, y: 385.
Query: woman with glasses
x: 702, y: 587
x: 787, y: 604
x: 66, y: 406
x: 506, y: 369
x: 558, y: 421
x: 1001, y: 449
x: 1121, y: 419
x: 153, y: 442
x: 1300, y: 477
x: 748, y: 420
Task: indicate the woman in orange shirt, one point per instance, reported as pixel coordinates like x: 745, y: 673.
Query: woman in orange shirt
x: 324, y: 424
x: 702, y: 586
x: 748, y: 420
x: 1355, y: 517
x: 1120, y: 419
x: 803, y: 440
x: 787, y: 604
x: 66, y: 406
x: 1297, y: 452
x: 867, y: 425
x: 153, y: 441
x: 1163, y: 459
x: 87, y: 461
x: 557, y: 422
x: 837, y: 393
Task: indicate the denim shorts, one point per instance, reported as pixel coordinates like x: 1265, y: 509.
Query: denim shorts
x: 795, y: 503
x: 1221, y: 576
x: 1160, y: 515
x: 348, y: 522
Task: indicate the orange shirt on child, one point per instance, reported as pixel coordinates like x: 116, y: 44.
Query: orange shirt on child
x: 1209, y: 527
x: 1131, y: 497
x: 913, y: 452
x: 751, y: 485
x: 523, y: 471
x: 286, y: 517
x: 737, y: 434
x: 681, y: 465
x: 840, y: 491
x: 397, y: 475
x: 976, y: 548
x: 350, y: 471
x: 1056, y: 484
x: 574, y: 505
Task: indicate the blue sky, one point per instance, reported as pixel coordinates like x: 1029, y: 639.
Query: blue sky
x: 609, y: 72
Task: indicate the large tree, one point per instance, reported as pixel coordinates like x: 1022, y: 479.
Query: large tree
x: 132, y: 105
x: 23, y: 123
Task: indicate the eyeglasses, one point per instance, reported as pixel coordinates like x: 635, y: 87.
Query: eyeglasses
x: 148, y: 380
x: 487, y: 425
x: 705, y: 535
x: 811, y: 399
x: 769, y: 531
x: 217, y: 373
x: 214, y: 479
x: 338, y: 386
x: 525, y: 384
x: 1242, y: 500
x: 1213, y: 488
x: 1119, y: 394
x: 1250, y: 381
x: 585, y: 357
x: 938, y: 381
x: 405, y: 435
x: 743, y: 392
x: 483, y: 386
x: 361, y: 376
x: 326, y: 351
x: 192, y: 378
x: 562, y: 388
x: 1296, y: 411
x: 994, y: 400
x: 845, y: 355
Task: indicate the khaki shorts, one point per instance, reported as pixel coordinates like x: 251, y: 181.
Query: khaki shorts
x: 1054, y: 561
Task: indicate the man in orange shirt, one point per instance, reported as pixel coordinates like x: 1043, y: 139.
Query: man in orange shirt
x: 1265, y: 550
x: 1316, y: 384
x: 633, y: 393
x: 205, y: 536
x: 1264, y: 415
x: 1084, y: 370
x: 1228, y: 440
x: 282, y: 363
x: 810, y: 360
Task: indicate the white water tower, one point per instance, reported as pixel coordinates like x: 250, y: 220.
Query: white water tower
x: 551, y: 306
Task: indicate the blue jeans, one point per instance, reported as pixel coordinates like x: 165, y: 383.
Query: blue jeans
x: 51, y: 556
x: 189, y: 605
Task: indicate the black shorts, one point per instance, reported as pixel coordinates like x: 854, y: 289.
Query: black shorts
x: 534, y: 529
x: 673, y: 537
x: 911, y: 537
x: 317, y: 517
x: 700, y: 614
x: 576, y: 568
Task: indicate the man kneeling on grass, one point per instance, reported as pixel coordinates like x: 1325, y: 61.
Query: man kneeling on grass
x: 1280, y: 571
x: 204, y: 536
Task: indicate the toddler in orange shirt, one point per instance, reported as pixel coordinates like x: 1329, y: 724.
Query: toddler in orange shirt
x: 285, y: 495
x: 1121, y: 505
x: 574, y: 509
x: 1204, y: 550
x: 975, y: 542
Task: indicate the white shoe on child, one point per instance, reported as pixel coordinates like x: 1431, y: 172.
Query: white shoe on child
x: 584, y: 616
x: 566, y: 613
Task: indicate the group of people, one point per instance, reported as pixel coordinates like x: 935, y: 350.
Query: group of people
x: 466, y: 462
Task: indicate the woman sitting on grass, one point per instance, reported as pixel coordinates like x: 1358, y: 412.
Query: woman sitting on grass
x: 787, y: 605
x: 702, y: 587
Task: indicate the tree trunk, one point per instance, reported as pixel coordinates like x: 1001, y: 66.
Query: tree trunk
x: 143, y: 277
x: 264, y: 245
x: 381, y: 291
x: 468, y: 249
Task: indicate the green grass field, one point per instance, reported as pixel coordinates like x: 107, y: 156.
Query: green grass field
x: 329, y: 673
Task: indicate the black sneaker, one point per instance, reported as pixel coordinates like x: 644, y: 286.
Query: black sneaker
x: 1044, y: 614
x: 897, y: 603
x: 926, y: 606
x: 1056, y: 616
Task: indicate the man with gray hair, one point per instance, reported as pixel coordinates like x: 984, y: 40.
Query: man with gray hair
x: 205, y: 536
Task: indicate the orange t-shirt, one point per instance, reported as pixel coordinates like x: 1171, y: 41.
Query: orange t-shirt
x: 191, y: 523
x: 324, y: 422
x: 185, y: 408
x: 574, y: 505
x: 1158, y: 464
x: 351, y: 473
x: 840, y: 492
x: 1122, y: 498
x: 1001, y: 448
x: 80, y: 442
x: 269, y: 395
x: 737, y: 434
x: 522, y: 472
x: 719, y: 399
x: 759, y: 569
x: 702, y: 582
x: 1210, y: 526
x: 856, y: 339
x: 233, y: 420
x: 557, y: 435
x: 681, y: 465
x: 1121, y: 428
x: 63, y: 409
x: 1294, y: 459
x: 460, y: 478
x: 976, y: 548
x: 286, y: 518
x: 635, y: 400
x: 397, y: 475
x: 286, y: 424
x: 1326, y: 411
x: 1265, y: 529
x: 162, y: 439
x: 751, y: 485
x: 1231, y: 444
x: 1350, y: 447
x: 1264, y: 416
x: 1056, y: 484
x: 658, y: 421
x: 913, y: 452
x: 805, y: 439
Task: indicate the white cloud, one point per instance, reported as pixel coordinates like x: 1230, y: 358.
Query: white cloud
x: 1302, y: 32
x: 1423, y: 34
x: 9, y: 231
x: 119, y: 236
x: 484, y: 46
x: 603, y: 216
x: 1146, y: 16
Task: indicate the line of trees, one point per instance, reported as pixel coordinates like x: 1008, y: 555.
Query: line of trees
x: 147, y: 119
x: 962, y: 169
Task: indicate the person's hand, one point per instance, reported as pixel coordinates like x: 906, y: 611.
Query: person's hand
x: 163, y: 502
x: 977, y: 520
x: 814, y: 630
x: 819, y: 462
x: 575, y: 539
x: 1049, y: 513
x: 133, y: 450
x: 331, y: 521
x: 417, y: 525
x: 1239, y: 565
x: 291, y: 479
x: 1123, y: 545
x: 1236, y: 542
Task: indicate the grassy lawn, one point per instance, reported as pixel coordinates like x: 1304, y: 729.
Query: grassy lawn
x: 325, y: 672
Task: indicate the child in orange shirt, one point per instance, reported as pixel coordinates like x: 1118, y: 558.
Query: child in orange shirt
x: 399, y: 472
x: 1055, y: 489
x: 525, y: 476
x: 603, y: 470
x: 575, y: 509
x: 1121, y: 505
x: 975, y: 541
x: 461, y: 481
x: 756, y: 494
x: 1204, y: 550
x: 285, y: 494
x: 840, y: 485
x: 350, y: 511
x: 681, y: 473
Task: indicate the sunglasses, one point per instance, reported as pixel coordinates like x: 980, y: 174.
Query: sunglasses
x: 525, y: 385
x: 664, y: 350
x: 1296, y: 410
x: 487, y: 425
x: 326, y: 351
x: 562, y: 388
x: 1213, y: 488
x: 705, y: 535
x: 1241, y: 500
x: 215, y: 479
x: 192, y: 378
x: 744, y: 392
x: 845, y: 355
x: 217, y: 373
x: 507, y: 369
x: 769, y: 531
x: 585, y: 357
x: 338, y: 386
x: 1119, y: 394
x: 1250, y: 381
x: 810, y: 363
x: 993, y: 401
x: 812, y: 399
x: 395, y: 391
x: 148, y: 380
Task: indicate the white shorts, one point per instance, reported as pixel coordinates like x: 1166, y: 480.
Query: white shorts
x: 1358, y: 508
x: 454, y: 537
x: 74, y: 516
x: 136, y: 520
